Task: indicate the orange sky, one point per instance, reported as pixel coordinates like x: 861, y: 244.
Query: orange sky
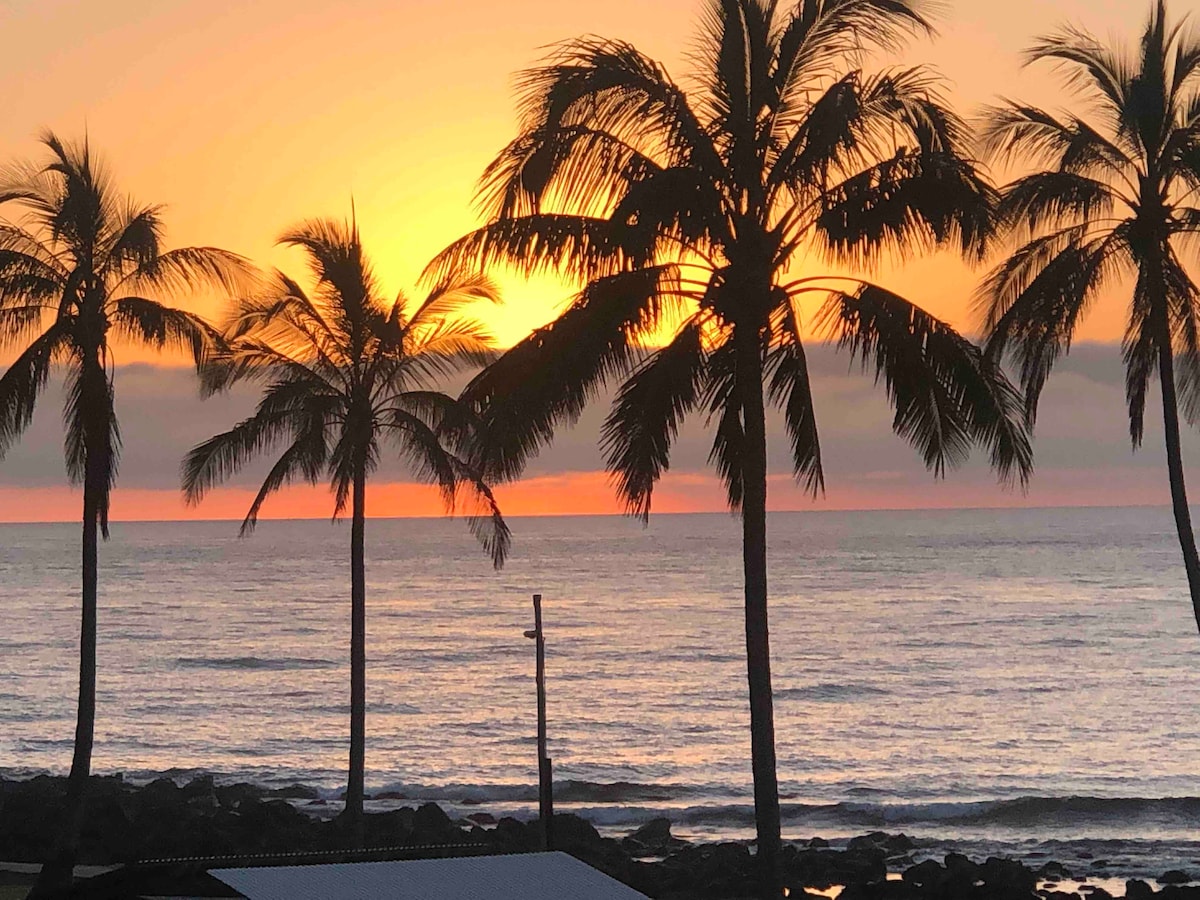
x: 245, y: 118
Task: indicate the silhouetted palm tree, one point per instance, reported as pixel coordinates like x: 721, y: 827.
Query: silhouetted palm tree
x: 718, y: 202
x: 83, y: 268
x: 347, y: 372
x: 1116, y: 200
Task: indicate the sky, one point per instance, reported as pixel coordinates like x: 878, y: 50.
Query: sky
x: 244, y: 119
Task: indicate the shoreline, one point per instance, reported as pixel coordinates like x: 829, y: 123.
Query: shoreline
x: 175, y: 817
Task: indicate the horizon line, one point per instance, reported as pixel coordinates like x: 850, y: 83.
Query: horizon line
x: 619, y: 515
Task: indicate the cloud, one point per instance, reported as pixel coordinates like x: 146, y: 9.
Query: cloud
x: 1083, y: 453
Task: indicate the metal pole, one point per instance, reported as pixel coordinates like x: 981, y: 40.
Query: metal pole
x: 545, y: 771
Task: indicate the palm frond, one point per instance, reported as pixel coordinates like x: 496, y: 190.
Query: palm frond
x: 185, y: 271
x: 23, y: 382
x: 288, y: 408
x: 646, y: 415
x: 482, y: 512
x: 823, y: 36
x: 1015, y: 131
x: 1053, y: 200
x: 547, y: 379
x: 790, y: 388
x: 305, y: 459
x: 946, y: 393
x: 913, y: 200
x: 1039, y: 324
x: 579, y: 247
x: 1087, y: 62
x: 613, y: 88
x: 161, y: 326
x: 92, y: 432
x: 724, y: 402
x: 452, y: 292
x: 566, y: 167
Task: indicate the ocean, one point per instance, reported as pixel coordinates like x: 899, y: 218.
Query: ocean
x: 1022, y: 682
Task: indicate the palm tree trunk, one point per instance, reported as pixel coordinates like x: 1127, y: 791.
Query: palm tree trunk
x: 1183, y: 516
x: 358, y: 661
x: 56, y: 876
x: 758, y: 644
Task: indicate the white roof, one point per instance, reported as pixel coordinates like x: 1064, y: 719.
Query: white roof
x: 526, y: 876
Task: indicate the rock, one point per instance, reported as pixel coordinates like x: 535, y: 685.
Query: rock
x: 296, y: 792
x: 431, y: 824
x: 818, y: 843
x: 482, y: 818
x: 1136, y: 889
x: 161, y: 792
x: 200, y: 786
x: 869, y: 841
x: 390, y: 829
x: 898, y: 844
x: 1174, y: 876
x: 882, y: 890
x: 1053, y: 871
x: 652, y: 839
x: 825, y: 868
x: 233, y: 795
x: 1008, y: 878
x: 957, y: 864
x: 726, y: 870
x: 511, y: 836
x: 928, y: 874
x: 573, y: 832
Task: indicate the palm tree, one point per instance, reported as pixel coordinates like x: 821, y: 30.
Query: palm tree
x: 84, y: 267
x: 346, y: 372
x: 712, y: 207
x: 1115, y: 201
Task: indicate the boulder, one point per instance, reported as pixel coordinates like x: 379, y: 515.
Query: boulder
x: 652, y: 839
x: 868, y: 841
x: 1007, y: 878
x: 1174, y: 876
x: 1053, y: 871
x: 825, y: 868
x: 431, y: 825
x: 296, y: 792
x: 512, y: 836
x: 882, y: 890
x: 928, y: 874
x: 570, y: 832
x: 1136, y: 889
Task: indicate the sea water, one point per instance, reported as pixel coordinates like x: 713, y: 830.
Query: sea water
x: 995, y: 681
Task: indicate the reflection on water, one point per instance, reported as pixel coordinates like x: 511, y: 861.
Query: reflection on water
x: 922, y: 661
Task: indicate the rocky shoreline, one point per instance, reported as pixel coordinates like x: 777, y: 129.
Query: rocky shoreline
x: 202, y: 820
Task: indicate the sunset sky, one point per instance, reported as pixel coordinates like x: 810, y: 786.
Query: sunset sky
x: 245, y: 118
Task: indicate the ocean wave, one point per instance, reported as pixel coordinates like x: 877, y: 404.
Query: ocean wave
x: 252, y: 662
x: 1018, y: 813
x: 617, y: 793
x: 829, y: 692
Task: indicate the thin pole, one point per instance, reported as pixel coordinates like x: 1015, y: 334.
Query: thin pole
x: 545, y: 771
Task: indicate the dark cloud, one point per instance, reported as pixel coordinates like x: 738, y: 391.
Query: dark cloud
x: 1082, y: 427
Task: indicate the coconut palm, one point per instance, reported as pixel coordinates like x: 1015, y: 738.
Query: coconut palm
x: 346, y: 373
x: 83, y: 268
x: 1113, y: 200
x: 708, y: 210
